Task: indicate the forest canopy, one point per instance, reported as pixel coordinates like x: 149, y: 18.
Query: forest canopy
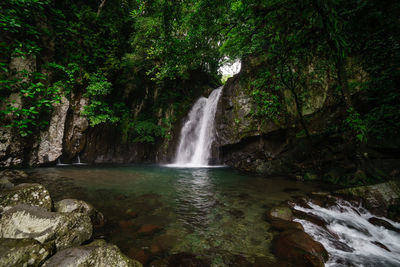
x: 119, y: 52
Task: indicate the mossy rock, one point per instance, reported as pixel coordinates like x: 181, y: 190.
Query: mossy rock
x: 30, y: 194
x: 97, y: 253
x: 283, y: 213
x: 23, y: 252
x: 379, y: 198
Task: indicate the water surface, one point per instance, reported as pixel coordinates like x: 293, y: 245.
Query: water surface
x: 154, y: 211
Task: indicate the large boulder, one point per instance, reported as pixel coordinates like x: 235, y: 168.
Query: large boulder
x: 65, y: 230
x: 80, y: 206
x: 23, y: 252
x: 30, y: 194
x: 300, y: 249
x: 97, y: 253
x: 377, y: 198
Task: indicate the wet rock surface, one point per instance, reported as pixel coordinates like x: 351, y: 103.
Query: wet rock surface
x: 30, y: 194
x: 23, y: 252
x: 97, y: 253
x: 282, y: 225
x: 65, y: 230
x: 300, y: 249
x: 383, y: 223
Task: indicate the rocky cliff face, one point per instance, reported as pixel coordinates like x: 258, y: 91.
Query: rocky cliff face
x: 69, y: 135
x: 279, y: 146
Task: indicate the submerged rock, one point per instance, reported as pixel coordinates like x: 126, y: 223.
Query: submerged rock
x: 65, y: 230
x: 284, y: 213
x: 23, y: 252
x: 80, y: 206
x: 149, y: 229
x: 30, y: 194
x: 283, y: 225
x: 13, y: 175
x: 97, y: 253
x: 184, y: 259
x: 300, y: 249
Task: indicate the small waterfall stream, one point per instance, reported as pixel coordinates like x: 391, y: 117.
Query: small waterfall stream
x: 198, y: 133
x: 351, y: 239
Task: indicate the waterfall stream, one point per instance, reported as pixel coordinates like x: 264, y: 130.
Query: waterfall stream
x: 351, y: 239
x: 198, y: 133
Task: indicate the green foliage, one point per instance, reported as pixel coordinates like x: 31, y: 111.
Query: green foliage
x: 147, y: 131
x: 357, y: 124
x: 67, y: 76
x: 35, y: 102
x: 268, y: 104
x: 98, y: 111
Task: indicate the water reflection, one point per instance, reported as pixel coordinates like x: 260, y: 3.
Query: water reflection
x: 195, y: 198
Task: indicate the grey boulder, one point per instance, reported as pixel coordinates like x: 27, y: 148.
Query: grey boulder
x: 98, y: 253
x: 80, y: 206
x: 64, y: 230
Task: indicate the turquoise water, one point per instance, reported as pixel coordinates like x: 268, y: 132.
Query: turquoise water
x: 155, y: 211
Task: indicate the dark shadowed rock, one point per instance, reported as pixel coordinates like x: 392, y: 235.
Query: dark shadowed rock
x: 299, y: 248
x: 379, y: 244
x: 65, y: 230
x: 23, y: 252
x: 184, y: 259
x: 383, y: 223
x: 30, y: 194
x: 97, y: 253
x: 282, y: 225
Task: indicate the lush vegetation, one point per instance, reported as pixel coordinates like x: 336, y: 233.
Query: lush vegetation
x: 141, y: 63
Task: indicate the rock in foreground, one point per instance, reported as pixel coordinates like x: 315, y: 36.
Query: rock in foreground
x: 23, y: 252
x: 80, y: 206
x: 300, y: 249
x: 30, y: 194
x: 97, y: 253
x: 65, y: 230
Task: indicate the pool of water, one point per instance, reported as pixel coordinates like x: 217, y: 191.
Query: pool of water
x: 155, y: 211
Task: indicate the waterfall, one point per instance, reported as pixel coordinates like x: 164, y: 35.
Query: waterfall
x: 198, y: 132
x: 78, y: 161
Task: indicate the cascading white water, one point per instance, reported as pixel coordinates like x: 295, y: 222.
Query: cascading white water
x: 351, y: 239
x: 198, y: 132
